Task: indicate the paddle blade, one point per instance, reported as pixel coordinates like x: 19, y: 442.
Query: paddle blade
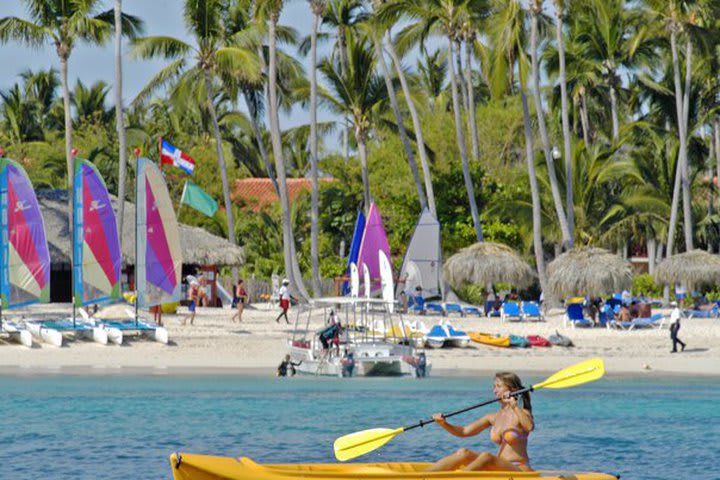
x: 360, y: 443
x: 583, y: 372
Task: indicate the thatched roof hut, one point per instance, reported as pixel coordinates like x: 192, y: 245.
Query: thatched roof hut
x: 485, y: 263
x: 588, y: 271
x: 197, y: 245
x: 691, y: 269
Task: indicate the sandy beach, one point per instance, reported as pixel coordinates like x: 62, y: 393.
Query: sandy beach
x: 256, y: 346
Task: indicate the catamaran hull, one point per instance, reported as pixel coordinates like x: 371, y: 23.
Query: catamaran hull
x: 45, y: 335
x: 96, y: 334
x: 159, y: 334
x: 459, y: 342
x: 17, y: 334
x: 114, y: 335
x: 435, y: 342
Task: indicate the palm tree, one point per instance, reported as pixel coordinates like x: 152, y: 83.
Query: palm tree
x: 375, y: 29
x: 62, y: 24
x: 442, y: 17
x: 269, y: 10
x: 357, y: 93
x: 567, y: 141
x: 318, y: 9
x: 195, y: 67
x: 119, y: 118
x: 417, y: 127
x: 535, y: 12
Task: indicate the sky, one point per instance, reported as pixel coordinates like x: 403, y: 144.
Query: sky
x: 91, y: 63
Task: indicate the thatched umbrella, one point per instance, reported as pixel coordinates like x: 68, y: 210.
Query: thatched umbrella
x: 485, y: 263
x: 588, y: 271
x: 692, y: 268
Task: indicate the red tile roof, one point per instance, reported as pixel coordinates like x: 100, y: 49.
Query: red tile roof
x: 257, y: 193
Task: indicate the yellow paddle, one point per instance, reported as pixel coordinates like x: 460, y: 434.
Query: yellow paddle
x: 359, y: 443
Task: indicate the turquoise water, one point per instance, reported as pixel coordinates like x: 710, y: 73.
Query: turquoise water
x: 63, y: 427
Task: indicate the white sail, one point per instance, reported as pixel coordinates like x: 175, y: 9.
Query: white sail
x: 422, y: 265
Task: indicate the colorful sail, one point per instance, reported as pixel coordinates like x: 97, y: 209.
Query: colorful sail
x: 374, y: 239
x: 96, y: 246
x: 354, y: 248
x: 159, y: 260
x: 25, y: 259
x: 422, y: 263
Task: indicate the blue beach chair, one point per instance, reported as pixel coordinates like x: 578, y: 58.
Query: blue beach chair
x: 470, y: 310
x: 490, y: 310
x: 531, y: 310
x: 435, y: 308
x: 511, y: 311
x: 574, y: 316
x: 454, y: 308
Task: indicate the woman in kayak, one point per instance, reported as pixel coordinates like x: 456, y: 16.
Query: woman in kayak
x: 509, y: 427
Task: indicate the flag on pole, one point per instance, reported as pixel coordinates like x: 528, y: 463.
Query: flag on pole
x: 195, y: 197
x: 174, y: 156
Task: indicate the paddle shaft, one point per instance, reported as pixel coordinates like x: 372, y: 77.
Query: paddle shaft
x: 422, y: 423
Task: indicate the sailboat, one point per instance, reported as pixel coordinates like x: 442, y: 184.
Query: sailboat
x: 96, y: 245
x: 423, y: 259
x: 354, y: 251
x: 24, y: 256
x: 374, y: 240
x: 87, y: 216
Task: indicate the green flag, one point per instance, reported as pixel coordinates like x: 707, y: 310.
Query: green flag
x: 195, y: 197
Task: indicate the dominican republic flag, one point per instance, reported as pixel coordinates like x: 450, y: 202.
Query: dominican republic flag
x: 174, y: 156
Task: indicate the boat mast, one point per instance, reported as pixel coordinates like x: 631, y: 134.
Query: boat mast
x: 137, y: 235
x: 72, y: 240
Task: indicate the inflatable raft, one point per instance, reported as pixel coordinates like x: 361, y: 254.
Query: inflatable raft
x: 489, y: 339
x: 186, y: 466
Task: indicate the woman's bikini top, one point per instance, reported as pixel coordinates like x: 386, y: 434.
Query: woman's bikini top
x: 510, y: 436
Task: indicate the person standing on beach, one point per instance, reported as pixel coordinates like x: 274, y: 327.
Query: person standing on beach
x: 674, y: 328
x: 284, y: 295
x: 193, y: 293
x: 240, y: 299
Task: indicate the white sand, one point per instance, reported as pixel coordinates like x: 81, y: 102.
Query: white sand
x: 214, y: 344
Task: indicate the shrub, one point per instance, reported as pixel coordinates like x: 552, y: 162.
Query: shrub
x: 644, y: 284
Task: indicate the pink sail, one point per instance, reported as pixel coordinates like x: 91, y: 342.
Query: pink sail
x: 374, y: 240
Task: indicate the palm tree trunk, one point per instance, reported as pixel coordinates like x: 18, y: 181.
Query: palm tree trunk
x: 119, y: 119
x: 651, y: 253
x: 417, y: 127
x: 460, y: 80
x: 343, y: 68
x: 401, y: 126
x: 557, y: 199
x: 68, y: 137
x: 314, y: 200
x: 674, y: 208
x: 460, y: 137
x: 471, y: 101
x: 255, y: 122
x: 614, y: 115
x: 687, y: 200
x: 569, y: 204
x: 288, y: 239
x: 221, y: 159
x: 584, y: 120
x: 535, y: 194
x: 362, y: 150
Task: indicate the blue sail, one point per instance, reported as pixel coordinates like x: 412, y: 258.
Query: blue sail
x: 355, y: 247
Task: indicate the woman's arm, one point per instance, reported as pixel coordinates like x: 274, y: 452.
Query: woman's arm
x: 525, y: 418
x: 466, y: 430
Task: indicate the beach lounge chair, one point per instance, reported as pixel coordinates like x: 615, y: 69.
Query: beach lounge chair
x: 575, y: 317
x: 531, y: 310
x: 453, y: 308
x: 471, y: 310
x: 606, y: 315
x: 511, y: 311
x: 416, y: 305
x: 435, y: 307
x: 690, y: 313
x: 655, y: 321
x: 490, y: 311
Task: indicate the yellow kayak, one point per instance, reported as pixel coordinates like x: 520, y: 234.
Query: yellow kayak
x: 489, y: 339
x: 187, y: 466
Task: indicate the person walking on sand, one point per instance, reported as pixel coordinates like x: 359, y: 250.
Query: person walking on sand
x: 284, y: 295
x: 240, y: 299
x: 674, y: 328
x: 509, y: 427
x: 193, y: 294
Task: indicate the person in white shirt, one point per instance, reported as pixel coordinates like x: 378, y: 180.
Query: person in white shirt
x: 284, y: 294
